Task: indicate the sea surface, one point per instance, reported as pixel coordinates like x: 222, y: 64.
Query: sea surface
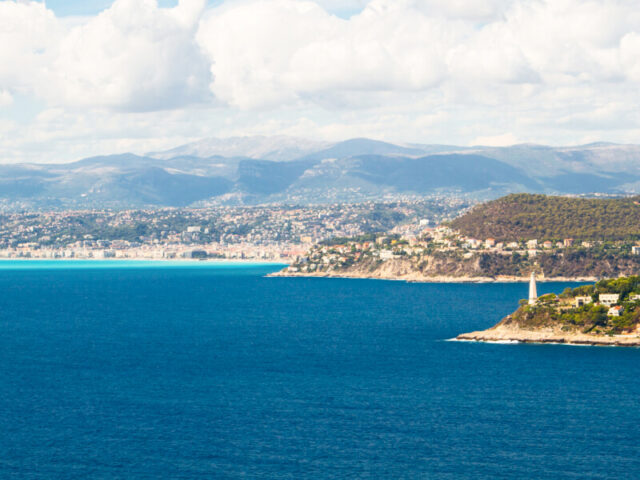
x: 198, y: 371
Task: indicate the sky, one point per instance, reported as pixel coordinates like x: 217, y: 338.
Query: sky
x: 93, y: 77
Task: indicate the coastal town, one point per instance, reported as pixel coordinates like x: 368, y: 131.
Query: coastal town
x: 279, y: 233
x: 401, y: 243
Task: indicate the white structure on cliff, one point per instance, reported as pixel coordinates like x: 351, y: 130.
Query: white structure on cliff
x: 533, y: 292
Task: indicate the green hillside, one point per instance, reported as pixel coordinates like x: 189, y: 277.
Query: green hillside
x: 526, y: 216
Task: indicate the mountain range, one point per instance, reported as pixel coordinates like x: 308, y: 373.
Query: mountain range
x: 253, y: 170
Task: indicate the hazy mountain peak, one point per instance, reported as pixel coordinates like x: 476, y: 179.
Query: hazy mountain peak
x: 277, y: 148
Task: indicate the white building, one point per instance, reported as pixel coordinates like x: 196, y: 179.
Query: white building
x: 386, y: 254
x: 616, y: 310
x: 580, y: 301
x: 608, y: 299
x: 533, y: 292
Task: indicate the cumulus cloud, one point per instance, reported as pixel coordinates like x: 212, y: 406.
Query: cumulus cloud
x: 27, y: 31
x: 6, y: 98
x: 268, y: 52
x: 274, y: 51
x: 427, y: 70
x: 133, y: 55
x: 630, y: 55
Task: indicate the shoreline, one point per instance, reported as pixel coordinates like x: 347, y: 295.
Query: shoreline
x: 501, y: 334
x: 123, y: 263
x: 159, y: 260
x: 434, y: 279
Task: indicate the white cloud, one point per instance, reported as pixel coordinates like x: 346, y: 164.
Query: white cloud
x: 27, y: 30
x: 454, y: 71
x: 504, y: 140
x: 6, y: 98
x: 268, y: 52
x: 630, y: 55
x: 133, y: 55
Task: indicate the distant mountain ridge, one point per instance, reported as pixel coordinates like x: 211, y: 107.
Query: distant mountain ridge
x: 253, y: 170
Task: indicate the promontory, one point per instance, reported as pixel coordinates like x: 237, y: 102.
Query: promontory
x: 606, y: 313
x: 561, y: 238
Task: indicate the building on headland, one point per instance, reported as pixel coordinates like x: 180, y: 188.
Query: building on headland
x: 580, y: 301
x: 533, y: 292
x: 608, y: 299
x: 616, y: 310
x: 635, y: 249
x: 634, y: 297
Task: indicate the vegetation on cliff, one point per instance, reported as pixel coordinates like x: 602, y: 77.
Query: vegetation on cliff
x: 526, y: 216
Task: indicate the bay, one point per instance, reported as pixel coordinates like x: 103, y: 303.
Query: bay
x: 204, y: 370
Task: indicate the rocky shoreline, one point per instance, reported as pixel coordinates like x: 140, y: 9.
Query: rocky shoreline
x: 416, y: 278
x: 505, y: 334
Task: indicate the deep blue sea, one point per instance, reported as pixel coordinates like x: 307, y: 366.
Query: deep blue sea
x: 178, y: 371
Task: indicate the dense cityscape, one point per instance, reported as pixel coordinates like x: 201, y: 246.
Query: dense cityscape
x: 265, y: 232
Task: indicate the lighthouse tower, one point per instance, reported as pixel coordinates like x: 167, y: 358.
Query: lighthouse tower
x: 533, y: 293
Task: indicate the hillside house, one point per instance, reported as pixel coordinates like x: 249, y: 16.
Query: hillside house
x: 386, y: 255
x: 616, y: 310
x: 608, y: 299
x: 473, y: 242
x: 580, y: 301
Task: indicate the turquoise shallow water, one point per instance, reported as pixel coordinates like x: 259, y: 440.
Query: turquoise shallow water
x: 37, y: 264
x: 218, y: 372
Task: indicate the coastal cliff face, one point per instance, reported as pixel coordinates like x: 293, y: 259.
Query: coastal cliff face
x: 428, y: 269
x: 580, y: 266
x: 514, y: 334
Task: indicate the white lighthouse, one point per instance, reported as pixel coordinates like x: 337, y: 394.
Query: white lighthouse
x: 533, y: 292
